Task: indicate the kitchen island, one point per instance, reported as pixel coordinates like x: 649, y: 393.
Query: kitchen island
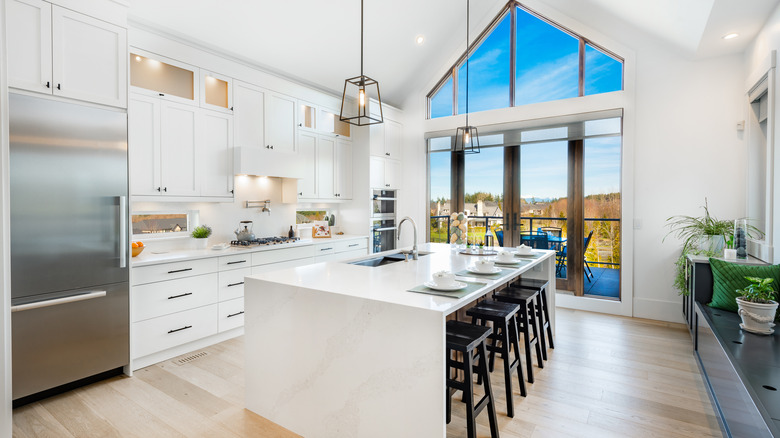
x: 341, y: 350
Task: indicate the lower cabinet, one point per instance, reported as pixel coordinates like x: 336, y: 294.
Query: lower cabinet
x: 231, y: 314
x: 158, y: 334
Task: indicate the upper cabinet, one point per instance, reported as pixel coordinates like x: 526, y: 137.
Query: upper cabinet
x: 321, y: 120
x: 386, y: 139
x: 263, y: 119
x: 53, y: 50
x: 328, y: 168
x: 216, y: 92
x: 157, y: 76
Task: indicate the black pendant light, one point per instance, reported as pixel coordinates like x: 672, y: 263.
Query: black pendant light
x: 361, y: 89
x: 467, y: 137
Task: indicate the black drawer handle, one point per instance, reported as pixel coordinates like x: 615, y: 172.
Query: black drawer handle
x: 233, y: 263
x: 179, y: 329
x: 354, y: 244
x: 235, y: 284
x: 181, y: 295
x: 325, y: 249
x: 180, y: 270
x: 235, y: 314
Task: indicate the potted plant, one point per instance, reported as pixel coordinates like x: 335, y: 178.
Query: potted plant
x: 757, y: 306
x: 201, y: 234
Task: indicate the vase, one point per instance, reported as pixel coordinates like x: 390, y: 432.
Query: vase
x: 713, y: 244
x: 757, y: 317
x: 740, y: 238
x: 202, y: 243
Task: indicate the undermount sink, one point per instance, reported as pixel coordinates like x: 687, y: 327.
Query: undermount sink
x: 385, y: 260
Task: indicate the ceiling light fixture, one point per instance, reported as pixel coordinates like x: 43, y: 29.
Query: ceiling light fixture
x: 362, y: 89
x: 730, y: 36
x: 467, y: 137
x: 419, y: 40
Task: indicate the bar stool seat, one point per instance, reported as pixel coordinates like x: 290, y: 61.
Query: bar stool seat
x: 527, y: 323
x: 541, y: 309
x: 469, y: 340
x: 503, y: 338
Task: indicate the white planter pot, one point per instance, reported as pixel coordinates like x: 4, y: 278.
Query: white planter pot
x: 715, y: 244
x: 757, y: 317
x: 201, y: 243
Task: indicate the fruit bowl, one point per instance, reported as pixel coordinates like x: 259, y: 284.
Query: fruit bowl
x: 138, y: 250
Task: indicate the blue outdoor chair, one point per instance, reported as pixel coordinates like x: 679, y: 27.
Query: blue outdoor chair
x: 536, y: 241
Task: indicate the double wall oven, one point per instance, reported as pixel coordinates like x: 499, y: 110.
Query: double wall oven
x: 383, y: 220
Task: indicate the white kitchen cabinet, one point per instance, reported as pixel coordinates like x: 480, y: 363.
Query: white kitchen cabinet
x: 215, y: 153
x: 216, y: 92
x: 28, y: 26
x: 168, y: 79
x: 385, y: 139
x: 58, y: 51
x: 178, y: 133
x: 307, y: 152
x: 143, y: 116
x: 343, y: 169
x: 384, y: 173
x: 249, y: 115
x: 326, y: 148
x: 280, y: 123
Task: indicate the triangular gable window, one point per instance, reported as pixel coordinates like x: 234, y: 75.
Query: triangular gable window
x: 541, y: 62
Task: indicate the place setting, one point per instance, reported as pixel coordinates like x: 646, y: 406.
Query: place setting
x: 524, y: 251
x: 507, y: 259
x: 485, y: 268
x: 444, y: 283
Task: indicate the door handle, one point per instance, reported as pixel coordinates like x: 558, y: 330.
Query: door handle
x: 233, y: 263
x: 235, y: 284
x: 180, y: 270
x: 123, y: 231
x: 235, y: 314
x: 180, y: 295
x: 179, y: 329
x: 58, y: 301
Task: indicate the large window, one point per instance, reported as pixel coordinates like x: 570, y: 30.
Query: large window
x: 541, y: 62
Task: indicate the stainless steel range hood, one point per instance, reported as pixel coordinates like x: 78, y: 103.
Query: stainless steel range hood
x: 258, y: 162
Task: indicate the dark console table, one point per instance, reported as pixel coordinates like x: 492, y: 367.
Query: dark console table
x: 741, y: 370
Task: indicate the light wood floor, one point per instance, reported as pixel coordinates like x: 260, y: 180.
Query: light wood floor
x: 607, y: 377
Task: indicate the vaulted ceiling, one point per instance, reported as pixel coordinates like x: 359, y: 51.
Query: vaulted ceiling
x: 318, y: 42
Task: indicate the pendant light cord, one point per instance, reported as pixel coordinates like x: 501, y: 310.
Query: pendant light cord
x: 467, y: 62
x: 361, y: 40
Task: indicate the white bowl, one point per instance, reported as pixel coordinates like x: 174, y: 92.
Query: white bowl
x: 506, y: 257
x: 484, y: 265
x: 522, y: 249
x: 444, y: 278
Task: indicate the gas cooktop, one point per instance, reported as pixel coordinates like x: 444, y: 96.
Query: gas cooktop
x: 264, y: 241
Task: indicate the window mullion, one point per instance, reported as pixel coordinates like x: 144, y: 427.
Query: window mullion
x: 582, y: 67
x: 512, y: 53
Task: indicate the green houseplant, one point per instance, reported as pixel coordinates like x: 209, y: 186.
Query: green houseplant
x: 757, y: 306
x: 201, y: 234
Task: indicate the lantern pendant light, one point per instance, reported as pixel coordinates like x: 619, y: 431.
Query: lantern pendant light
x: 358, y: 92
x: 467, y: 137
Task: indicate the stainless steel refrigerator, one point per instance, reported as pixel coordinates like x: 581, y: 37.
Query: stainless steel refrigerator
x: 69, y: 251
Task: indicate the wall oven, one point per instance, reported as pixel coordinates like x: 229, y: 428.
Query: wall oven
x: 383, y: 220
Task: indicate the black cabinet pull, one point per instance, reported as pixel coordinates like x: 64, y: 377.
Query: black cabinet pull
x: 180, y: 295
x: 325, y: 249
x: 159, y: 189
x: 231, y: 108
x: 48, y: 84
x: 235, y: 284
x: 179, y: 329
x: 231, y: 191
x: 354, y: 244
x: 387, y: 185
x: 236, y: 262
x: 272, y: 146
x: 235, y: 314
x: 180, y: 270
x: 165, y: 189
x: 387, y: 153
x: 300, y: 193
x: 162, y: 94
x: 58, y: 87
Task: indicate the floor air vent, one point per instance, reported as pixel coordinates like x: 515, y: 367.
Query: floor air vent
x: 190, y: 358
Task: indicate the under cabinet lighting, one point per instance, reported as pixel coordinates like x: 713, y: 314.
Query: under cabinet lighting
x: 137, y: 58
x: 730, y: 36
x: 419, y: 40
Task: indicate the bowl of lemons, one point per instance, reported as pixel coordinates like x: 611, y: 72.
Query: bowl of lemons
x: 138, y: 248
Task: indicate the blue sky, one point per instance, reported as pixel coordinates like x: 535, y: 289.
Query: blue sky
x: 547, y: 69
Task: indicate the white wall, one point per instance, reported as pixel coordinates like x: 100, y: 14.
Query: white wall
x: 685, y: 147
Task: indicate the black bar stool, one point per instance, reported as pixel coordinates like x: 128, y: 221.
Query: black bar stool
x: 527, y: 323
x: 503, y: 338
x: 541, y: 308
x: 469, y: 340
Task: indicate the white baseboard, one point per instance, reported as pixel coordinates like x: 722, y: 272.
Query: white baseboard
x: 160, y: 356
x: 660, y: 310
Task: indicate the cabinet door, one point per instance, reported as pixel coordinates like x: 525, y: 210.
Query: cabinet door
x: 177, y: 144
x: 89, y: 58
x: 216, y: 92
x: 248, y: 115
x: 392, y: 174
x: 28, y: 27
x: 307, y: 149
x: 392, y: 139
x: 215, y: 153
x: 280, y: 122
x: 343, y: 169
x: 377, y: 169
x: 326, y: 147
x: 377, y: 140
x: 143, y: 116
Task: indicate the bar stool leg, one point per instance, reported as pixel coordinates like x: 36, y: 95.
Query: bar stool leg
x: 523, y: 315
x: 468, y: 394
x: 547, y: 319
x: 535, y: 329
x: 514, y: 340
x: 510, y: 410
x: 489, y: 393
x: 540, y: 323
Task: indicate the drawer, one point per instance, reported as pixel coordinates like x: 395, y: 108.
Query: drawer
x: 282, y: 265
x: 350, y: 245
x: 325, y: 249
x: 231, y: 314
x: 169, y: 331
x: 172, y: 271
x: 237, y: 261
x: 346, y: 255
x: 282, y: 255
x: 231, y: 283
x: 164, y: 297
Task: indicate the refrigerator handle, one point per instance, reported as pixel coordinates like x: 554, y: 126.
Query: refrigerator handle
x: 123, y: 231
x: 57, y: 301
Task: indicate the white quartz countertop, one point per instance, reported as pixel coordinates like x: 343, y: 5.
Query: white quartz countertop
x: 390, y: 283
x: 150, y: 257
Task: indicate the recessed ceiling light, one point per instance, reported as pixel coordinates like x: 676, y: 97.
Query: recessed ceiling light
x: 137, y: 58
x: 730, y: 36
x: 419, y: 39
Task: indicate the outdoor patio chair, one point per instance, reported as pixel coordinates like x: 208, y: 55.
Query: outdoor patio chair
x: 560, y: 260
x: 536, y: 241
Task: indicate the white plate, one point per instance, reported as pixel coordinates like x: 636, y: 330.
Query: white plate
x: 516, y: 262
x: 220, y: 246
x: 474, y: 270
x: 457, y: 286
